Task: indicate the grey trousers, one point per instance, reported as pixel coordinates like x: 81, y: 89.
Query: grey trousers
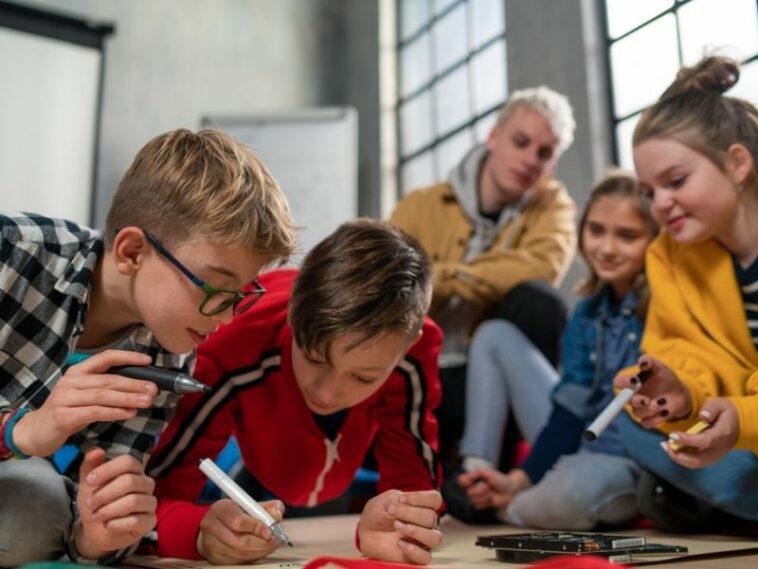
x: 506, y: 373
x: 36, y: 514
x: 581, y: 491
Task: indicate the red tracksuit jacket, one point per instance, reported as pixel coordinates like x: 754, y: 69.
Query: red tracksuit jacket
x: 255, y: 397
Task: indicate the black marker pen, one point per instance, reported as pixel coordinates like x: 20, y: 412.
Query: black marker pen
x: 165, y: 379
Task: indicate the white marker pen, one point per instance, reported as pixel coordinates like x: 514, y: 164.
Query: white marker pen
x: 615, y: 407
x: 242, y: 498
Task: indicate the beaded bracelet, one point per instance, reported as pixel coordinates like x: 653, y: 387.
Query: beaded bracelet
x: 5, y: 454
x: 8, y: 449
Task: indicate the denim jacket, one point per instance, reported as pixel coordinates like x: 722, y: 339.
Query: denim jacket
x: 602, y: 337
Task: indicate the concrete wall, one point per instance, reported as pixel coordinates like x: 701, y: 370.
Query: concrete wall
x: 171, y: 62
x: 559, y: 44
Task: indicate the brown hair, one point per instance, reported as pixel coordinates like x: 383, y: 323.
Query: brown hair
x: 620, y: 184
x: 368, y: 277
x: 203, y: 185
x: 694, y: 112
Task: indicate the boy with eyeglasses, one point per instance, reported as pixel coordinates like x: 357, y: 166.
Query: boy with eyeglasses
x: 334, y: 358
x: 194, y: 220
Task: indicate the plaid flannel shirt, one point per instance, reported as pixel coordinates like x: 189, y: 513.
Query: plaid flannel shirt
x: 46, y: 268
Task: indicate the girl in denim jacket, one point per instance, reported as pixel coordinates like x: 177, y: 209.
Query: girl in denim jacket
x: 565, y: 482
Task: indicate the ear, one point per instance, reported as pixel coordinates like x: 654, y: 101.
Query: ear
x: 416, y: 338
x: 129, y: 250
x: 739, y: 163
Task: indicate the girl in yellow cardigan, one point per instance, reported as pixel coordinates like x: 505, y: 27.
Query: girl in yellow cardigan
x: 695, y: 154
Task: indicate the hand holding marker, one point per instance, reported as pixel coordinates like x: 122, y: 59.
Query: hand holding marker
x: 615, y: 407
x: 164, y: 379
x: 242, y: 499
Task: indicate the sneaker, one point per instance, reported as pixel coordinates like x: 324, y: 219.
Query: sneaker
x: 459, y: 505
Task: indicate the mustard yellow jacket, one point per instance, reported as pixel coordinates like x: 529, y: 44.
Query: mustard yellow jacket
x: 696, y: 324
x: 539, y: 244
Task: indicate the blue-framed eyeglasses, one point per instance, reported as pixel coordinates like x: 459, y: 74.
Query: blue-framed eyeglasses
x: 216, y: 300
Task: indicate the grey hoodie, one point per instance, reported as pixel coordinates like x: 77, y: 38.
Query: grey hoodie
x: 457, y: 316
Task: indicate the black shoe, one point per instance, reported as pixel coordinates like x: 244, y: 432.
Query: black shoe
x: 675, y: 511
x: 459, y: 505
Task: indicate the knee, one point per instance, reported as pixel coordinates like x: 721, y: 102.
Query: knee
x: 35, y: 513
x: 556, y: 504
x: 537, y: 297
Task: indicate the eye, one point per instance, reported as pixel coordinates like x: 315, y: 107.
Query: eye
x: 647, y: 192
x: 629, y: 237
x: 545, y: 153
x: 314, y: 361
x: 520, y: 140
x: 595, y: 229
x: 678, y: 182
x: 365, y: 380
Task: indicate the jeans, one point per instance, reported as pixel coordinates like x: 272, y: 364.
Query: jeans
x: 506, y: 372
x: 581, y: 491
x: 730, y: 485
x: 535, y: 308
x: 36, y: 514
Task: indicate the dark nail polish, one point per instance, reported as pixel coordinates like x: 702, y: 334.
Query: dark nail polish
x: 665, y: 413
x: 661, y: 401
x: 633, y: 380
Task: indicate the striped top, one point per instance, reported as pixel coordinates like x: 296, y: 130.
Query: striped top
x: 748, y: 281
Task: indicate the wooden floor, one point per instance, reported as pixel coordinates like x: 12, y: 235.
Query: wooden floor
x: 333, y: 535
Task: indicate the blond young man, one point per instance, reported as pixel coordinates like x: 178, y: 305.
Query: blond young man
x: 193, y: 221
x: 501, y: 234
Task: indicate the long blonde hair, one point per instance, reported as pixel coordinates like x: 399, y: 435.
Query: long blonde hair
x: 621, y: 184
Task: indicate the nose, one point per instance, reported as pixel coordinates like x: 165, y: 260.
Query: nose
x: 662, y: 203
x: 608, y: 246
x: 325, y: 390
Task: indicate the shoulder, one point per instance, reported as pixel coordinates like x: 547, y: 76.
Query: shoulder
x: 441, y: 192
x: 58, y: 236
x: 552, y: 192
x: 586, y: 309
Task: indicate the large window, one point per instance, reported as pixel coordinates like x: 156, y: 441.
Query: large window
x: 649, y: 40
x: 452, y: 81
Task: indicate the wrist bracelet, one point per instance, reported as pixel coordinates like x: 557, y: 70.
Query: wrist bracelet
x: 8, y: 449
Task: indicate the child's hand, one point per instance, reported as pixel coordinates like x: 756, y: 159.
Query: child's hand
x: 663, y: 397
x: 488, y: 488
x: 712, y: 444
x: 116, y: 504
x: 84, y: 395
x: 228, y: 536
x: 401, y: 526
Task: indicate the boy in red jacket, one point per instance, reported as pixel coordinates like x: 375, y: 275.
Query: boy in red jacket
x: 331, y: 359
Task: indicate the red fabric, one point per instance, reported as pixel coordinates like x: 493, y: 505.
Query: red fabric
x: 576, y: 562
x: 256, y: 398
x: 348, y: 563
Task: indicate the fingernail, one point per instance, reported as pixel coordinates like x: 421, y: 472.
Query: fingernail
x: 144, y: 398
x: 398, y: 524
x: 391, y: 509
x: 674, y: 437
x: 633, y: 380
x: 402, y: 499
x: 664, y: 446
x: 644, y: 364
x: 665, y: 413
x: 402, y: 543
x: 661, y: 401
x: 91, y: 478
x: 706, y: 414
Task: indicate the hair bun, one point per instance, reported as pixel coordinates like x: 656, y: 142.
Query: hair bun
x: 714, y: 74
